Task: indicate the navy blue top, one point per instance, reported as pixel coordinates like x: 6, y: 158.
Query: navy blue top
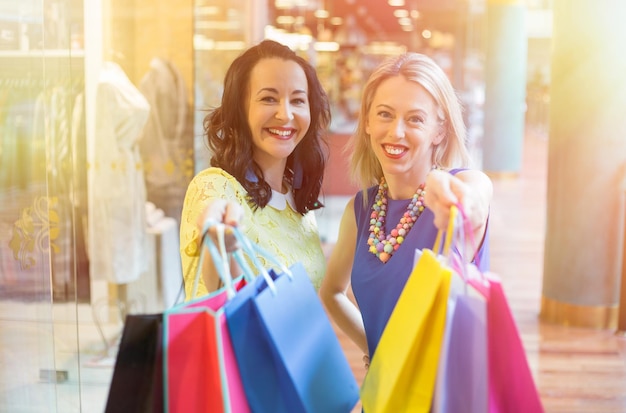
x: 377, y: 285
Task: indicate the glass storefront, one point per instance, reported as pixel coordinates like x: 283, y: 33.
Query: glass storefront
x: 96, y: 146
x: 42, y: 204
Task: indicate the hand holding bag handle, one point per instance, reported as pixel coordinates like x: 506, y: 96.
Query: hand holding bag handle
x: 137, y: 383
x: 455, y: 247
x: 201, y: 370
x: 220, y: 257
x: 252, y: 250
x: 450, y: 231
x: 461, y: 374
x: 511, y: 386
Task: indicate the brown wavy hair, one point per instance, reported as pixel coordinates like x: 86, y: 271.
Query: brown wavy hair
x: 230, y: 139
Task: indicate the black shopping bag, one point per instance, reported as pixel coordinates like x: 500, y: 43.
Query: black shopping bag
x: 137, y: 382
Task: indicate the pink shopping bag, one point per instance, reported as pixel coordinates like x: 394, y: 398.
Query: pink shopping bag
x: 511, y: 385
x: 200, y: 369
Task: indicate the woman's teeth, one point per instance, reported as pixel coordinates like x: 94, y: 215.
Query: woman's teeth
x: 393, y: 150
x: 280, y: 132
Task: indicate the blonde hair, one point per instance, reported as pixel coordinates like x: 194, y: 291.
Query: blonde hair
x: 415, y: 67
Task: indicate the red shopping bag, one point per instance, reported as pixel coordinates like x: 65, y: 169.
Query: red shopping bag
x: 511, y: 385
x: 201, y: 373
x: 200, y: 369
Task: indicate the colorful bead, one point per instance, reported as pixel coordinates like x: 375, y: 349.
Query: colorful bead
x: 384, y: 257
x: 384, y: 245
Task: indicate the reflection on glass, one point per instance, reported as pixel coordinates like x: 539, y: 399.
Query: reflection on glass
x: 219, y: 37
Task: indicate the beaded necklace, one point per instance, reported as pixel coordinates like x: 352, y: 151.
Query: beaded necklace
x: 384, y: 245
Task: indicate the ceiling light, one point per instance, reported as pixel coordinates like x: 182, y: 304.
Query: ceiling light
x: 208, y: 10
x: 385, y: 48
x: 289, y: 4
x: 283, y: 4
x: 396, y: 3
x: 326, y: 46
x: 321, y: 14
x: 401, y: 13
x: 285, y: 20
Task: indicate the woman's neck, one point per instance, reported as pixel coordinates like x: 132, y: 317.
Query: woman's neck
x: 404, y: 186
x: 274, y: 176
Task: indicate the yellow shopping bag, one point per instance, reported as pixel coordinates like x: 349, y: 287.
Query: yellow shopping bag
x: 402, y: 373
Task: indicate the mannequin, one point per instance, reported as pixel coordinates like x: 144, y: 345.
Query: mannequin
x: 117, y: 236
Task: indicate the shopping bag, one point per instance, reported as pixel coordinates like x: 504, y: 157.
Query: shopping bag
x: 137, y: 384
x: 201, y: 373
x: 402, y: 373
x: 288, y: 354
x: 511, y: 385
x: 462, y: 376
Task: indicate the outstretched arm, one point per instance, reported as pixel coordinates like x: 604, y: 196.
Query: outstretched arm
x: 333, y: 291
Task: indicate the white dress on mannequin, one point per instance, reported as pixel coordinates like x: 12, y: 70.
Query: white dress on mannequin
x: 117, y: 217
x: 166, y: 145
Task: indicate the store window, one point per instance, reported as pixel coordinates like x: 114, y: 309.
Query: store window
x: 98, y: 107
x: 42, y: 202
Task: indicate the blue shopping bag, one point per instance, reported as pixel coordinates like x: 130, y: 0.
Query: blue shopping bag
x: 289, y: 356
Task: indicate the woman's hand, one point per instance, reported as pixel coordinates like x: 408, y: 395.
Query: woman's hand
x: 224, y: 212
x: 471, y: 189
x: 443, y: 190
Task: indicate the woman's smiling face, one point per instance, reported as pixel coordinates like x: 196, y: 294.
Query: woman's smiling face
x: 278, y: 109
x: 403, y: 125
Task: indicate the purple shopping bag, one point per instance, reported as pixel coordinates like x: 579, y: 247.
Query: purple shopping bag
x: 462, y: 375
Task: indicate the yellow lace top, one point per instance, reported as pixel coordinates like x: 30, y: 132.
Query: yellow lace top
x: 278, y: 228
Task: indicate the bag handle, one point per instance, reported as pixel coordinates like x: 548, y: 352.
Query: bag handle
x: 219, y: 257
x: 253, y: 250
x: 449, y: 233
x: 454, y: 248
x: 467, y: 226
x: 458, y: 257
